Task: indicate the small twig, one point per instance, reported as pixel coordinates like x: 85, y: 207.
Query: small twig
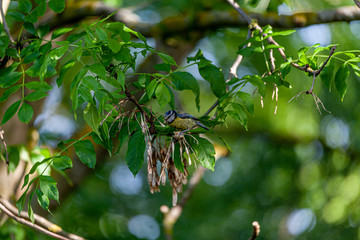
x: 211, y: 108
x: 312, y: 86
x: 30, y: 224
x: 2, y: 138
x: 256, y: 230
x: 149, y: 119
x: 317, y: 72
x: 41, y: 221
x: 240, y: 11
x: 357, y: 2
x: 6, y: 28
x: 233, y: 70
x: 172, y: 215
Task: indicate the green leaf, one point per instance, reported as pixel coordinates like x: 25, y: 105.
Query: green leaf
x: 85, y: 151
x: 177, y: 158
x: 92, y: 118
x: 30, y: 210
x: 205, y: 152
x: 285, y: 68
x: 9, y: 91
x: 57, y: 5
x: 121, y: 78
x: 60, y: 31
x: 43, y: 30
x: 48, y: 187
x: 247, y: 101
x: 38, y: 86
x: 167, y: 58
x: 215, y: 77
x: 30, y: 28
x: 184, y: 81
x: 35, y: 96
x: 101, y: 33
x: 135, y: 152
x: 162, y: 95
x: 43, y: 200
x: 10, y: 112
x: 21, y: 202
x: 25, y: 6
x: 25, y: 113
x: 256, y: 81
x: 8, y: 76
x: 239, y: 114
x: 150, y: 88
x: 98, y: 69
x: 63, y: 71
x: 327, y: 74
x: 340, y: 80
x: 273, y: 46
x: 58, y: 52
x: 114, y: 45
x: 246, y: 52
x: 62, y: 162
x: 282, y: 33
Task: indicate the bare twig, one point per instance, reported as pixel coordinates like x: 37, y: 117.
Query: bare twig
x: 173, y: 214
x: 305, y: 68
x: 148, y: 118
x: 357, y: 2
x: 41, y: 224
x: 332, y: 50
x: 233, y: 71
x: 6, y: 28
x: 30, y: 224
x: 240, y: 11
x: 256, y: 230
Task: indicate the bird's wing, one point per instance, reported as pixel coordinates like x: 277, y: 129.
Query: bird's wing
x: 187, y: 115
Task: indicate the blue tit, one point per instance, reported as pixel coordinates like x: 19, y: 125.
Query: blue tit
x: 182, y: 121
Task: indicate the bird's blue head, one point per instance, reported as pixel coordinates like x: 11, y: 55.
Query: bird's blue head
x: 170, y: 116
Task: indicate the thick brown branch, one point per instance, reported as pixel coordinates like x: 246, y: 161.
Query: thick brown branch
x: 202, y: 20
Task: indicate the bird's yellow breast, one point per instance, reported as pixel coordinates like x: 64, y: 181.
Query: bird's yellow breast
x: 182, y: 124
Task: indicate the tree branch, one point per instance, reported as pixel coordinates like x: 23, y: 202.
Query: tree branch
x: 202, y: 20
x: 172, y: 215
x: 6, y: 28
x: 2, y: 138
x: 51, y: 229
x: 357, y: 2
x: 256, y: 230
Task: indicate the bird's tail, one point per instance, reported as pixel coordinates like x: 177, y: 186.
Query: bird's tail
x: 202, y: 125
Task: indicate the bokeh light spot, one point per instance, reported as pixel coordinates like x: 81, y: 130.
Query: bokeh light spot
x: 144, y: 226
x: 300, y: 221
x: 334, y: 210
x: 222, y: 173
x: 313, y: 34
x: 123, y: 181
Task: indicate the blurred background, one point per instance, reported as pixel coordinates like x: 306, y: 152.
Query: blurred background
x: 296, y: 172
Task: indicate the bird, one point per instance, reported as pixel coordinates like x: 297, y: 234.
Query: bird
x: 182, y: 121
